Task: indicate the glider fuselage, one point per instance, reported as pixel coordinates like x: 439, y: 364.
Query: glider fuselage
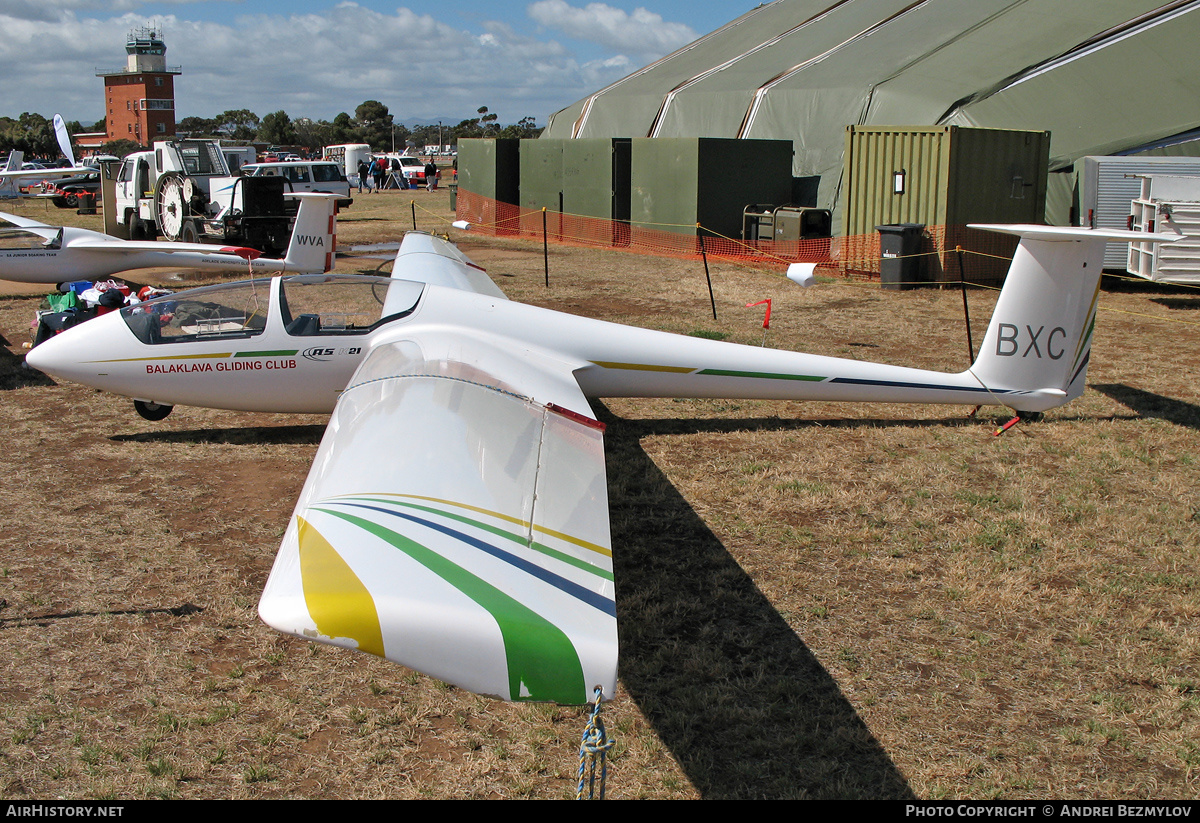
x: 60, y: 262
x: 278, y: 365
x: 32, y: 252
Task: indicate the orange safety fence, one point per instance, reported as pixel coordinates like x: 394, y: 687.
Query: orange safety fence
x: 948, y: 254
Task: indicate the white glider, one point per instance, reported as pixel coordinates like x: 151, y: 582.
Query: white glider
x: 12, y: 174
x: 32, y: 252
x: 455, y: 518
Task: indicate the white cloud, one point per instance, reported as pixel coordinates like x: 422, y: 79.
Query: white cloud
x: 52, y: 10
x: 310, y: 65
x: 642, y: 34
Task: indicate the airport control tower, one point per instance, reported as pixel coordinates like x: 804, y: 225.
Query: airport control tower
x: 139, y: 100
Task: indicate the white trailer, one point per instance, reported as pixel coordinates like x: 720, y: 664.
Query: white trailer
x: 1107, y: 185
x: 238, y: 156
x: 1167, y: 203
x: 348, y: 156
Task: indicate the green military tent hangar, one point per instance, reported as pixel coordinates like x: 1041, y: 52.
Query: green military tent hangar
x: 1102, y: 76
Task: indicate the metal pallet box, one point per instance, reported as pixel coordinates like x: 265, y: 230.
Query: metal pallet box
x: 1167, y: 203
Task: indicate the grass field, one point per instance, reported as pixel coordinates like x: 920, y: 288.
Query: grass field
x: 815, y: 600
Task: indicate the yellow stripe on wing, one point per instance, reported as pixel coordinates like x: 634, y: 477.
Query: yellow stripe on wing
x: 337, y: 600
x: 608, y: 364
x: 584, y: 544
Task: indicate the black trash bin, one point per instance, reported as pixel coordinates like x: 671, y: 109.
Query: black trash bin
x: 899, y: 245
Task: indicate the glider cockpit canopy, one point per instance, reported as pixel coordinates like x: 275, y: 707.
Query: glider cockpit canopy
x: 29, y: 237
x: 308, y: 305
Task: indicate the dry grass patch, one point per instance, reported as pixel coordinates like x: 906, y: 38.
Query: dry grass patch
x: 815, y: 600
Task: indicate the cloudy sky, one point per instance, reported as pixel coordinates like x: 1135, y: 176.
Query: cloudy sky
x: 438, y: 59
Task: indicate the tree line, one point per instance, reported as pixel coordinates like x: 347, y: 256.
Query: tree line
x: 371, y: 123
x: 33, y: 134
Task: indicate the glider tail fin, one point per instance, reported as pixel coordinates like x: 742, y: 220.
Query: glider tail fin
x: 314, y: 237
x: 15, y: 159
x: 1039, y: 340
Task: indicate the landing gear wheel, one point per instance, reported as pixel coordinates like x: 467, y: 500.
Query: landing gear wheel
x: 1030, y: 417
x: 171, y: 203
x: 151, y: 411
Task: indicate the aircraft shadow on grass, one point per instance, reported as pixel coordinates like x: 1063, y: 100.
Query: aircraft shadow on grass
x: 261, y: 435
x: 14, y: 375
x: 1188, y: 303
x: 742, y: 704
x: 695, y: 630
x: 1148, y: 404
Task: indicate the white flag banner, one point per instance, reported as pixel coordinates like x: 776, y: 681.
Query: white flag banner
x: 64, y: 139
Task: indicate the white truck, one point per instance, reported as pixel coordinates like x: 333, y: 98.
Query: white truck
x: 167, y: 191
x: 183, y: 190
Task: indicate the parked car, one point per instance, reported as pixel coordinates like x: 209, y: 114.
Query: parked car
x: 65, y: 191
x: 305, y: 175
x: 413, y: 168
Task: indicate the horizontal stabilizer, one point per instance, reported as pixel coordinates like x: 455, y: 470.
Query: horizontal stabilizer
x: 1062, y: 233
x: 1038, y: 343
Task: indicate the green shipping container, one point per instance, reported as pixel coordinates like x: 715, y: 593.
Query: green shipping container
x: 678, y: 182
x: 587, y: 177
x: 596, y: 177
x: 542, y: 175
x: 490, y: 168
x: 944, y: 176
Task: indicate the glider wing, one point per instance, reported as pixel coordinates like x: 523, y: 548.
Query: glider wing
x: 427, y: 258
x: 24, y: 222
x: 453, y: 524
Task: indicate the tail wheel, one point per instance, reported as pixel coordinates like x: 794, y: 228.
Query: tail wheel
x: 150, y: 410
x: 172, y: 204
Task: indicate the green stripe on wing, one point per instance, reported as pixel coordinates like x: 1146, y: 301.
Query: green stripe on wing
x: 542, y: 662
